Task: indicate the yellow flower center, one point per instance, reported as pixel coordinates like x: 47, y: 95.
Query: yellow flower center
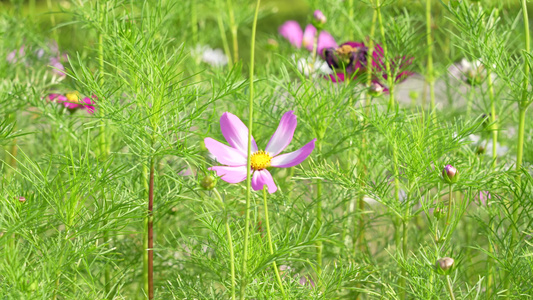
x: 73, y: 97
x: 261, y: 160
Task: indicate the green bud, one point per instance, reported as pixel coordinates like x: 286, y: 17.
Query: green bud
x: 208, y: 182
x: 444, y: 264
x: 450, y: 174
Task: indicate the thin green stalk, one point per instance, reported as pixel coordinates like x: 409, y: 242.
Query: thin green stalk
x: 222, y: 30
x: 469, y: 102
x: 230, y: 244
x: 429, y: 76
x: 319, y: 245
x: 265, y: 203
x: 450, y: 202
x: 249, y: 159
x: 493, y: 119
x: 145, y: 227
x: 52, y: 18
x: 386, y: 53
x: 404, y: 254
x: 522, y: 106
x: 449, y: 286
x: 194, y: 22
x: 233, y: 28
x: 315, y: 47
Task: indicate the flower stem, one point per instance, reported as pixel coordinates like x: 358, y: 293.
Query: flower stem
x: 522, y: 106
x: 265, y: 203
x: 194, y: 22
x: 493, y: 119
x: 52, y: 18
x: 450, y: 202
x: 429, y: 76
x: 249, y: 159
x: 230, y: 244
x: 469, y: 102
x: 386, y: 53
x: 151, y: 232
x: 319, y: 246
x: 449, y: 286
x: 233, y: 28
x: 222, y: 30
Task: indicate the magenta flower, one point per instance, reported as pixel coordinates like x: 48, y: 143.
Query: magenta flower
x: 73, y: 102
x: 350, y: 60
x: 292, y: 32
x: 234, y: 157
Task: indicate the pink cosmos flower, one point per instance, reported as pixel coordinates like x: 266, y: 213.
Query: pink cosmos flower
x: 72, y: 102
x: 292, y: 32
x: 234, y: 157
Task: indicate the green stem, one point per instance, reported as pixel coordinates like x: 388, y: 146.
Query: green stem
x: 249, y: 159
x: 450, y: 202
x: 315, y: 47
x: 469, y: 102
x: 319, y: 246
x: 449, y: 286
x: 194, y: 22
x: 386, y: 53
x: 429, y: 76
x: 145, y: 226
x: 230, y: 244
x: 265, y: 203
x: 404, y: 254
x: 222, y: 30
x: 233, y: 28
x: 493, y: 119
x: 522, y: 106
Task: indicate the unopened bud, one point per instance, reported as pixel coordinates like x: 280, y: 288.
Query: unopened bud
x: 444, y: 263
x: 450, y: 174
x: 438, y: 213
x: 375, y: 89
x: 208, y: 182
x: 318, y: 20
x: 414, y: 95
x: 319, y: 17
x: 272, y: 44
x: 21, y: 199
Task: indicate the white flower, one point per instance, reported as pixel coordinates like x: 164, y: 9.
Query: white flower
x: 214, y: 57
x: 306, y: 66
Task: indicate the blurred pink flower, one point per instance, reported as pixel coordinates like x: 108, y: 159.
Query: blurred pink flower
x: 73, y: 102
x: 292, y: 32
x: 235, y: 156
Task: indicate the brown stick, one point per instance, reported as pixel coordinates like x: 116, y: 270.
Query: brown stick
x: 151, y: 234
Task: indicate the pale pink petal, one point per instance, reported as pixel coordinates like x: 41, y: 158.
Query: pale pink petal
x: 325, y: 41
x: 292, y: 31
x: 236, y: 133
x: 262, y: 178
x: 230, y: 174
x: 283, y: 135
x: 309, y: 37
x: 225, y: 154
x: 293, y: 158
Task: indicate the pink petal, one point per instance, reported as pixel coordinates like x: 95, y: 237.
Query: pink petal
x: 262, y: 178
x: 71, y: 105
x: 339, y: 77
x: 292, y: 31
x: 87, y: 104
x: 57, y: 97
x: 230, y: 174
x: 309, y: 37
x: 236, y: 133
x: 325, y: 40
x: 292, y: 159
x: 225, y: 154
x: 283, y: 135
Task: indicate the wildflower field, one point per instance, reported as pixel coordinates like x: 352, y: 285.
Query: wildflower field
x: 266, y: 149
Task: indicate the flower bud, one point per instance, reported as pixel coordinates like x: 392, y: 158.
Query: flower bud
x: 375, y: 89
x: 444, y: 264
x: 414, y: 95
x: 450, y: 174
x: 208, y: 182
x: 438, y: 213
x: 319, y: 20
x: 21, y: 199
x: 272, y: 44
x: 319, y: 17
